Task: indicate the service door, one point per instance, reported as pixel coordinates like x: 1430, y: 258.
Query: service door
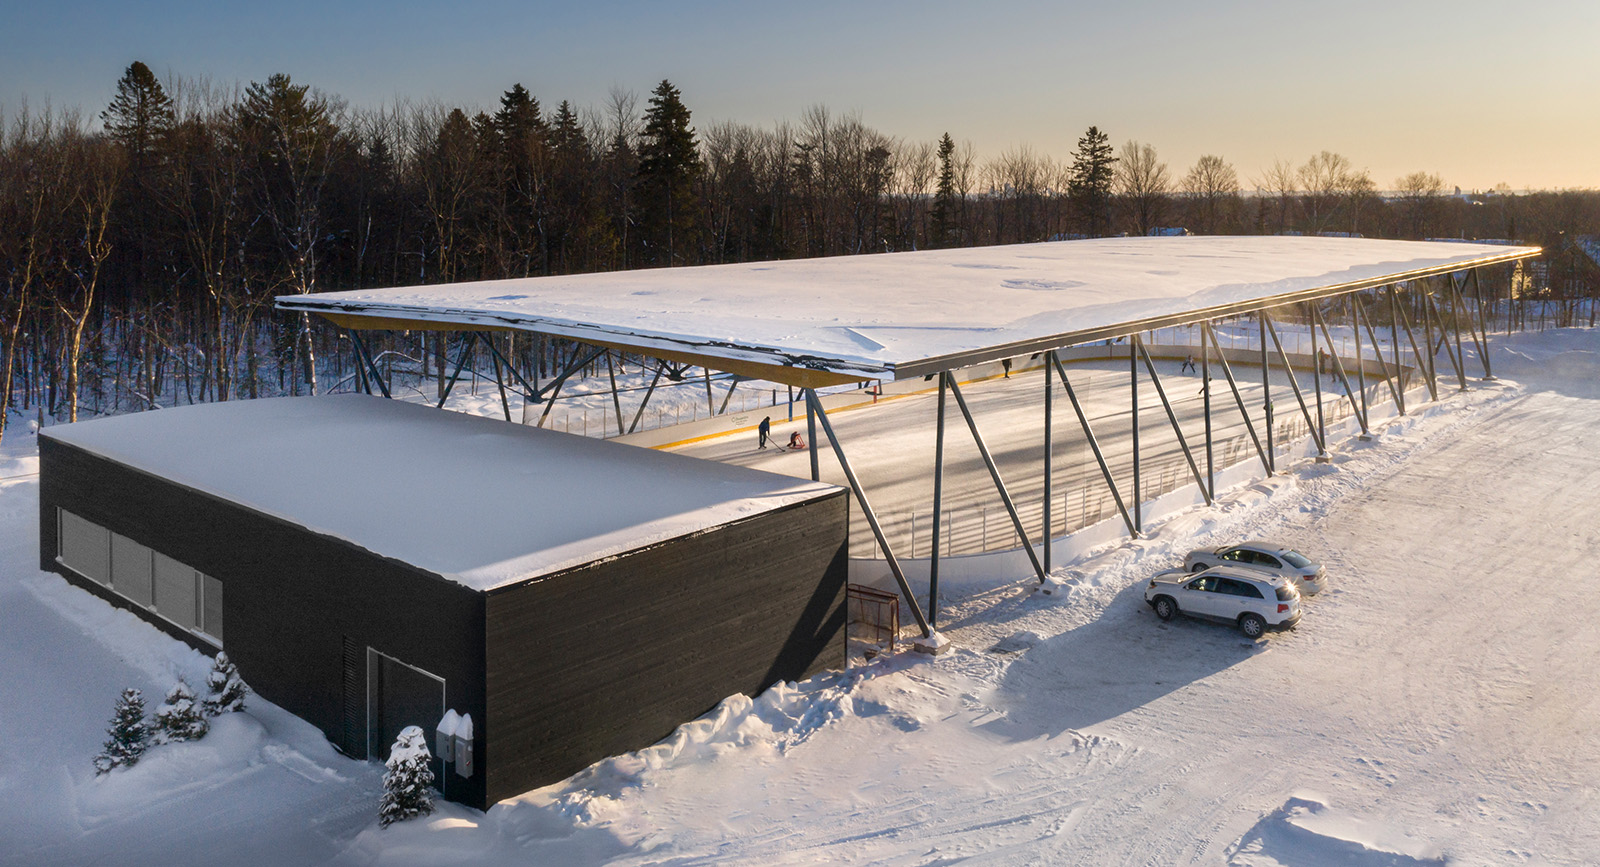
x: 400, y: 695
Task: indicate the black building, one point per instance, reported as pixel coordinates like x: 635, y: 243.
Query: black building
x: 371, y: 564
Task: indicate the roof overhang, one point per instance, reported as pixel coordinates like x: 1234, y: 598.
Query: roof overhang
x: 818, y: 322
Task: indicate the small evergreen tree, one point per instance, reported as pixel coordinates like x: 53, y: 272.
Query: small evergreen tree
x: 1089, y: 183
x: 408, y: 784
x: 944, y: 199
x: 225, y: 690
x: 179, y: 719
x: 130, y: 735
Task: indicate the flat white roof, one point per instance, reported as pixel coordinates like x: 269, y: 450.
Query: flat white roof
x: 905, y: 314
x: 479, y: 501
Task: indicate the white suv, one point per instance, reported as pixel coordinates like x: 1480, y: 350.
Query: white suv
x: 1253, y: 601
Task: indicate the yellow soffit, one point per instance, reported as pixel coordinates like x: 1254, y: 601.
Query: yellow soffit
x: 799, y: 377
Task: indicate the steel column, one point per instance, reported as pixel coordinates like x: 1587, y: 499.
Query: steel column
x: 1482, y: 343
x: 1316, y: 353
x: 1364, y: 319
x: 1394, y: 342
x: 554, y: 388
x: 1205, y: 392
x: 616, y: 399
x: 461, y: 361
x: 1266, y: 393
x: 1455, y: 321
x: 370, y: 365
x: 1094, y: 446
x: 499, y: 376
x: 938, y: 505
x: 1227, y: 370
x: 1172, y: 417
x: 1338, y: 368
x: 1416, y: 352
x: 999, y: 483
x: 728, y: 397
x: 1483, y: 322
x: 811, y: 443
x: 1361, y: 365
x: 1293, y: 384
x: 1049, y: 456
x: 660, y: 368
x: 511, y: 368
x: 1444, y: 338
x: 815, y: 405
x: 1138, y: 491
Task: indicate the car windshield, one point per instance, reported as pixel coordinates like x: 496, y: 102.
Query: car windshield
x: 1297, y: 559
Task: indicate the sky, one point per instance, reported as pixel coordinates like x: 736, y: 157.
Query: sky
x: 1480, y: 93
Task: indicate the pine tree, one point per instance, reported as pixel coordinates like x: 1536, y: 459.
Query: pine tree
x: 225, y: 690
x: 130, y: 735
x: 408, y: 783
x: 1089, y: 184
x: 944, y: 198
x: 140, y: 115
x: 669, y: 167
x: 178, y: 719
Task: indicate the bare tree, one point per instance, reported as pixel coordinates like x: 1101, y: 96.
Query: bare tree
x: 1211, y: 192
x: 1324, y: 183
x: 94, y: 174
x: 916, y: 168
x: 1279, y: 186
x: 1419, y: 201
x: 34, y: 184
x: 1142, y: 182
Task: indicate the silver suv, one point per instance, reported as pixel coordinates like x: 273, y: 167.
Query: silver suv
x: 1308, y: 575
x: 1252, y: 600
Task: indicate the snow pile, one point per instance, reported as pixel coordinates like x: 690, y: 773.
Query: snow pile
x: 1305, y: 832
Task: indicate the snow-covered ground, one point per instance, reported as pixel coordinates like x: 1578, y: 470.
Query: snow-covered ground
x: 1431, y: 708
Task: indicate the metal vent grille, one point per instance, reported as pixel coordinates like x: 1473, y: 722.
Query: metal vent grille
x: 355, y: 729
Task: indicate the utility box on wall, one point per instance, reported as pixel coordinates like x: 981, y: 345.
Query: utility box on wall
x: 287, y: 530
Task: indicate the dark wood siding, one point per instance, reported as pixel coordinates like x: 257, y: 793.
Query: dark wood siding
x: 612, y: 656
x: 292, y: 597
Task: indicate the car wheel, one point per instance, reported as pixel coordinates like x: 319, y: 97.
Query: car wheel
x: 1198, y: 567
x: 1165, y: 607
x: 1252, y: 626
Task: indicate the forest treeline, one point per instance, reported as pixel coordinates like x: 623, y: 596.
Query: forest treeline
x: 142, y: 246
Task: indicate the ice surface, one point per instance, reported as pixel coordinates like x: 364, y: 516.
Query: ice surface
x: 482, y: 502
x: 864, y: 315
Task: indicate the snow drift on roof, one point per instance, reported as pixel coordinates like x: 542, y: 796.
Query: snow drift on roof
x: 868, y: 315
x: 482, y: 502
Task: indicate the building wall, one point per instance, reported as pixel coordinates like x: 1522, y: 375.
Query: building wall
x: 612, y: 656
x: 294, y: 601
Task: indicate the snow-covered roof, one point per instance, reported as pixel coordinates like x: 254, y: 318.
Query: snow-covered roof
x: 897, y: 315
x: 478, y: 501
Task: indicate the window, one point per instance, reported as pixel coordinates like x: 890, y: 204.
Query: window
x: 1234, y: 587
x: 1237, y: 555
x: 1296, y: 559
x: 85, y: 547
x: 131, y: 569
x: 176, y: 598
x: 211, y: 607
x: 148, y: 578
x: 1269, y: 561
x: 1207, y: 583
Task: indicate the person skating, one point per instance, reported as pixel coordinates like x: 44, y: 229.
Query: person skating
x: 765, y: 429
x: 796, y: 441
x: 1188, y: 366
